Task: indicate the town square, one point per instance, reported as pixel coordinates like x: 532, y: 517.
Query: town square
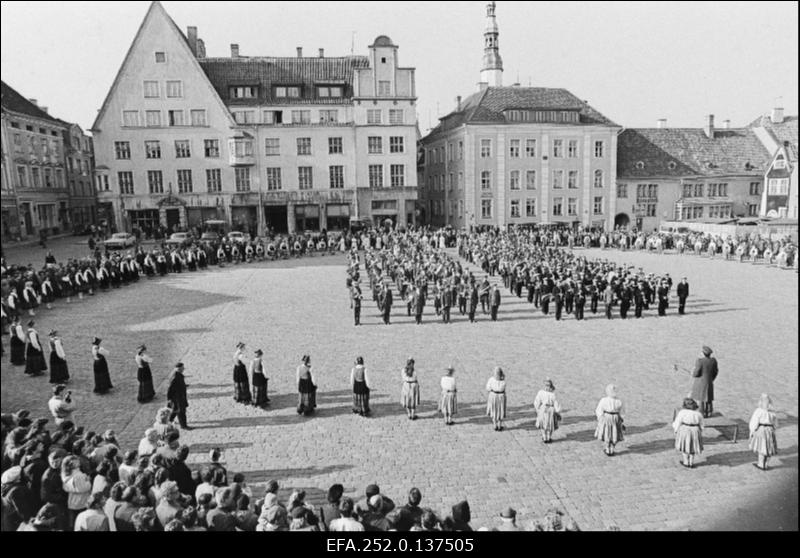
x: 502, y: 245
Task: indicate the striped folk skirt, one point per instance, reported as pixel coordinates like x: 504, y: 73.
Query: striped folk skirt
x: 546, y: 419
x: 609, y: 429
x: 763, y: 441
x: 241, y: 384
x: 360, y: 398
x: 496, y: 406
x: 448, y: 405
x: 688, y: 439
x: 409, y: 397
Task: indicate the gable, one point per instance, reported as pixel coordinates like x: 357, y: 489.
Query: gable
x: 158, y: 33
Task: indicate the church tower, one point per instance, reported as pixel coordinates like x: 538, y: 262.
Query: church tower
x: 492, y: 72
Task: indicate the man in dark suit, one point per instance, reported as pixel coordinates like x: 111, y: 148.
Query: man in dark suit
x: 683, y: 294
x: 558, y: 299
x: 495, y: 302
x: 580, y: 302
x: 473, y: 302
x: 419, y: 304
x: 663, y: 298
x: 705, y: 372
x: 388, y: 300
x: 356, y: 299
x: 447, y: 303
x: 177, y: 396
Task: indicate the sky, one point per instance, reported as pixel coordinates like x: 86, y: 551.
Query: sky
x: 636, y: 62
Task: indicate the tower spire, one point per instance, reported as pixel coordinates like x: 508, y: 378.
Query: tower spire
x: 492, y: 71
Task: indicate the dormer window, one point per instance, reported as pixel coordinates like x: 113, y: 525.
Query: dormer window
x: 329, y: 92
x: 287, y: 92
x: 640, y: 165
x: 161, y: 57
x: 672, y: 165
x: 244, y: 92
x: 780, y: 162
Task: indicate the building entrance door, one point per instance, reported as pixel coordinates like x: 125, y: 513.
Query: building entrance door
x: 277, y: 218
x: 173, y: 219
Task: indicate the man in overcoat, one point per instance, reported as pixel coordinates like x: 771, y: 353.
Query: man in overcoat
x: 705, y: 372
x: 177, y: 396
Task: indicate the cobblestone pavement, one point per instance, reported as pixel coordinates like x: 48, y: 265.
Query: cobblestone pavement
x: 747, y: 313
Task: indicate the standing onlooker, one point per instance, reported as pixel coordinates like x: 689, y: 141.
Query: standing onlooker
x: 144, y: 376
x: 548, y: 411
x: 360, y: 384
x: 330, y: 511
x: 345, y: 522
x: 93, y: 518
x: 496, y: 403
x: 61, y: 405
x: 705, y: 372
x: 77, y: 485
x: 610, y: 420
x: 683, y: 294
x: 306, y: 388
x: 52, y: 488
x: 762, y: 432
x: 241, y: 385
x: 448, y: 404
x: 688, y: 427
x: 177, y: 396
x: 260, y: 398
x: 149, y: 444
x: 59, y: 371
x: 409, y: 396
x: 102, y: 379
x: 18, y: 501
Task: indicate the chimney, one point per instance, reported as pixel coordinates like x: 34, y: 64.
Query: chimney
x: 662, y: 123
x: 726, y: 124
x: 322, y: 53
x: 299, y: 52
x: 777, y: 116
x: 45, y: 109
x: 709, y: 129
x: 191, y: 34
x: 34, y: 101
x: 201, y: 48
x: 234, y: 51
x: 458, y: 102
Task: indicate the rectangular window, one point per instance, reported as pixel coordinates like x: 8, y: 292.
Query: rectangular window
x: 598, y: 205
x: 22, y: 175
x: 243, y: 179
x: 241, y: 148
x: 183, y: 149
x: 122, y: 150
x: 622, y: 191
x: 304, y: 146
x: 152, y: 149
x: 174, y: 89
x: 530, y: 148
x: 558, y: 207
x: 176, y: 118
x: 514, y: 180
x: 287, y: 92
x: 558, y: 180
x: 305, y: 178
x: 599, y: 179
x: 752, y: 210
x: 329, y: 92
x: 486, y: 209
x: 376, y: 176
x: 214, y: 180
x: 36, y: 177
x: 211, y: 148
x: 328, y: 116
x: 572, y: 207
x: 572, y: 149
x: 335, y: 146
x: 515, y: 209
x: 723, y: 190
x: 125, y: 183
x: 244, y: 117
x: 461, y: 151
x: 155, y: 181
x: 274, y: 179
x: 712, y: 190
x: 153, y: 118
x: 572, y: 180
x: 375, y: 145
x: 530, y: 208
x: 244, y: 92
x: 599, y: 149
x: 530, y: 180
x: 397, y: 144
x: 452, y: 183
x: 272, y: 147
x: 199, y: 117
x: 486, y: 181
x: 486, y: 148
x: 398, y: 176
x: 698, y: 190
x: 374, y: 116
x: 755, y: 189
x: 272, y: 117
x: 515, y: 149
x: 151, y: 90
x: 384, y: 88
x: 460, y: 179
x: 185, y: 181
x: 396, y: 117
x: 48, y: 178
x: 161, y: 57
x: 558, y: 149
x: 651, y: 209
x: 301, y: 117
x: 337, y: 177
x: 130, y: 118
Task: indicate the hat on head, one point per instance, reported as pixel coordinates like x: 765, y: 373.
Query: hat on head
x: 58, y: 389
x: 548, y: 383
x: 109, y: 435
x: 707, y: 351
x: 96, y: 341
x: 240, y: 345
x: 53, y: 333
x: 690, y: 404
x: 58, y: 453
x: 179, y: 366
x: 372, y: 490
x: 173, y: 437
x: 509, y: 513
x: 141, y: 348
x: 31, y: 323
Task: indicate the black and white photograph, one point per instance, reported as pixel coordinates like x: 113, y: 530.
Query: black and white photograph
x: 433, y: 268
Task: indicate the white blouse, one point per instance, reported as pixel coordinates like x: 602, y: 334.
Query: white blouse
x: 406, y: 378
x: 140, y: 359
x: 495, y: 385
x: 609, y: 405
x: 546, y: 399
x: 762, y: 416
x: 237, y: 356
x: 98, y: 351
x: 353, y: 376
x: 59, y: 348
x: 448, y: 383
x: 34, y: 338
x: 689, y: 418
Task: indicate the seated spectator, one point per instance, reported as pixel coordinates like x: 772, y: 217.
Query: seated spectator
x: 93, y: 518
x: 246, y: 519
x: 412, y: 508
x: 52, y: 489
x: 144, y: 520
x: 188, y: 517
x: 174, y: 525
x: 273, y: 518
x: 77, y: 486
x: 143, y: 484
x: 101, y: 482
x: 163, y: 426
x: 221, y: 518
x: 239, y: 480
x: 461, y: 517
x: 48, y: 519
x: 346, y: 522
x: 123, y: 515
x: 169, y: 450
x: 108, y: 441
x: 428, y: 522
x: 330, y: 511
x: 113, y: 502
x: 300, y: 520
x: 215, y: 455
x: 375, y: 518
x: 170, y: 504
x: 181, y: 474
x: 362, y: 507
x: 207, y: 486
x: 18, y: 501
x: 149, y: 444
x: 205, y: 503
x: 128, y: 468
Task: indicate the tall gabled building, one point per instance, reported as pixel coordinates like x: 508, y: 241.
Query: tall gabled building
x: 289, y: 144
x: 519, y: 155
x: 779, y: 135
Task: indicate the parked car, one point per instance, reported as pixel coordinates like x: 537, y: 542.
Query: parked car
x: 120, y: 241
x: 180, y: 240
x: 237, y: 236
x: 209, y: 236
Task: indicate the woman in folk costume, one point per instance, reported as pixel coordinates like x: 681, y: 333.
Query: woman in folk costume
x: 177, y: 261
x: 103, y: 278
x: 306, y: 388
x: 610, y: 418
x: 496, y: 402
x: 78, y: 282
x: 102, y: 379
x: 235, y: 253
x: 48, y: 293
x: 12, y: 302
x: 89, y: 280
x: 149, y: 265
x: 191, y: 260
x: 17, y: 342
x: 59, y: 372
x: 144, y: 375
x: 34, y: 356
x: 360, y: 384
x: 30, y: 298
x: 260, y: 398
x: 448, y: 405
x: 249, y: 253
x: 241, y: 385
x: 409, y: 396
x: 548, y: 411
x: 762, y: 432
x: 161, y: 264
x: 272, y: 251
x: 688, y: 427
x: 202, y: 258
x: 260, y: 251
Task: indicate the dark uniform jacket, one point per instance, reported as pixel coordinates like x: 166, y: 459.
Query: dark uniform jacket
x: 705, y: 372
